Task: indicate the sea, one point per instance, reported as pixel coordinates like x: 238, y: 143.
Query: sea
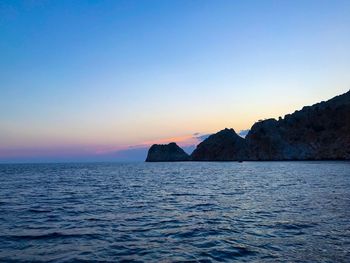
x: 175, y: 212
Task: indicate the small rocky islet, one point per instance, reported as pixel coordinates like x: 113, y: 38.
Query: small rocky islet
x: 317, y: 132
x: 166, y: 153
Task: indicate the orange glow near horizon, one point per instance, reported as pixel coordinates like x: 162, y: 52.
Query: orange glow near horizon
x: 181, y: 140
x: 185, y: 140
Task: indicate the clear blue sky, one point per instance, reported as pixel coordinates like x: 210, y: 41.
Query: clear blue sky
x: 88, y: 77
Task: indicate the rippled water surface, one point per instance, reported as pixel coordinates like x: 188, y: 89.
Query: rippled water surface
x: 200, y: 212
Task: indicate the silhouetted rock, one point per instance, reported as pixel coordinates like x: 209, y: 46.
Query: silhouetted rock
x: 166, y: 153
x: 318, y: 132
x: 225, y: 145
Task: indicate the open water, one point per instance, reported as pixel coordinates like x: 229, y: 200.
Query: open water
x: 172, y: 212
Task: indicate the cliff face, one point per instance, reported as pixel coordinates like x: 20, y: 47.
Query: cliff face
x: 225, y: 145
x: 318, y: 132
x: 166, y: 153
x: 321, y: 131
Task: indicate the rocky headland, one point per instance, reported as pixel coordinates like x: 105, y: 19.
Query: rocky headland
x: 225, y: 145
x: 317, y: 132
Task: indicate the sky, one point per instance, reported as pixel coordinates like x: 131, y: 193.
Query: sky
x: 82, y: 80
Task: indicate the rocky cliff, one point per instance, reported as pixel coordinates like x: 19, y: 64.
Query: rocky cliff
x: 166, y: 153
x: 225, y: 145
x: 317, y: 132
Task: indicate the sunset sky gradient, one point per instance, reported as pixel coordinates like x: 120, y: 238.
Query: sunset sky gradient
x: 82, y: 79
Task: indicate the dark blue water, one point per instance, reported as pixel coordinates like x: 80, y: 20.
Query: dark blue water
x: 200, y: 212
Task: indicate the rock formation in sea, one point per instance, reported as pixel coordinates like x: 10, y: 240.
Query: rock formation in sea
x: 225, y: 145
x: 317, y: 132
x: 166, y: 153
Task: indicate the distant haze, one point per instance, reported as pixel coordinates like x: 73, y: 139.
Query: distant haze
x: 103, y: 80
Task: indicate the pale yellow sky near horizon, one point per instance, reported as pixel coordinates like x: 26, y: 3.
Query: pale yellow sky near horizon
x: 97, y: 140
